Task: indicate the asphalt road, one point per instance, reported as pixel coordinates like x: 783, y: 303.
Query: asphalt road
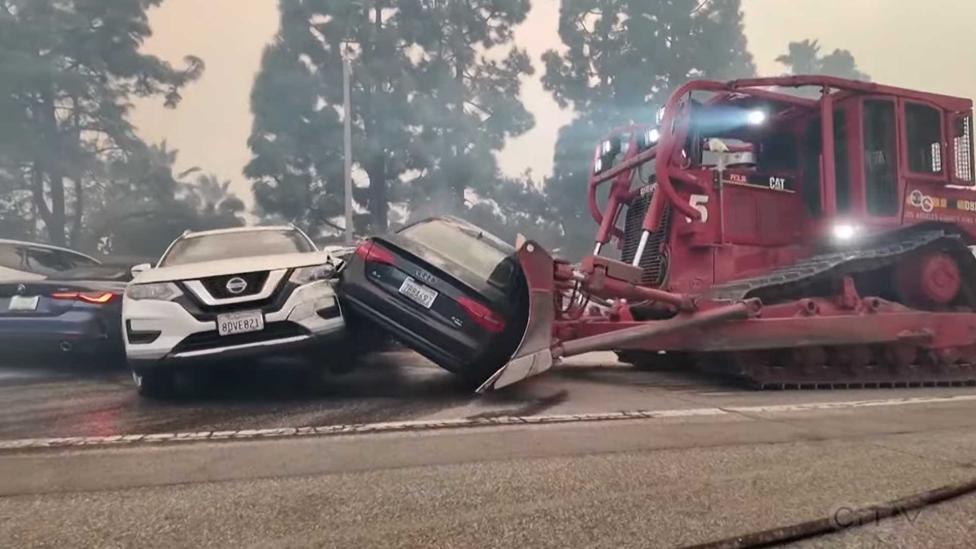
x: 394, y: 386
x: 709, y: 460
x: 661, y: 482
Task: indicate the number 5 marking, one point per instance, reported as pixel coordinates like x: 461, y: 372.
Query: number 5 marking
x: 698, y: 201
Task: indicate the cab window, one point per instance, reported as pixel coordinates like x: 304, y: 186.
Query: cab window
x: 923, y: 125
x: 43, y: 261
x: 962, y: 146
x: 880, y: 174
x: 842, y: 171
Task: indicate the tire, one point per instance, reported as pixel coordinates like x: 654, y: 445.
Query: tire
x: 364, y: 336
x: 156, y: 385
x: 361, y: 339
x: 339, y: 357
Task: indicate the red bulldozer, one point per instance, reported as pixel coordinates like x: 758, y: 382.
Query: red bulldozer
x: 801, y: 231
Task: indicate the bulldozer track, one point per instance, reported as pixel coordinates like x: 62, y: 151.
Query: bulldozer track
x: 855, y: 367
x: 882, y: 366
x: 879, y: 367
x: 790, y: 282
x: 896, y: 365
x: 752, y: 371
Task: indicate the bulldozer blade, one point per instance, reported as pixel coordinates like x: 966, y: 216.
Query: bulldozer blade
x: 533, y: 355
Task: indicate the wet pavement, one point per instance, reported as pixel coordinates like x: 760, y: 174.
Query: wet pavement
x: 387, y: 387
x: 38, y: 401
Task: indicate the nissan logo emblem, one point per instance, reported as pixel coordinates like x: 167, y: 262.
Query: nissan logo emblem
x: 236, y: 285
x: 21, y: 289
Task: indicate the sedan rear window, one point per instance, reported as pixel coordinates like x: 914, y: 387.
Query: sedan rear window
x: 44, y: 261
x: 214, y: 247
x: 464, y: 246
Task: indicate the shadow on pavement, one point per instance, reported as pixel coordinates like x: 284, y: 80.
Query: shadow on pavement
x: 525, y: 403
x: 393, y: 375
x: 675, y: 379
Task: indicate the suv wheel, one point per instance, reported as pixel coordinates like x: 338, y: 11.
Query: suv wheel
x: 153, y: 384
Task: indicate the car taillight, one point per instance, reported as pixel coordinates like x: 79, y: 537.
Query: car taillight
x: 482, y: 315
x: 374, y: 253
x: 97, y: 298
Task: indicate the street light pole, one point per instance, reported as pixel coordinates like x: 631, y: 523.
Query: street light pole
x: 347, y: 144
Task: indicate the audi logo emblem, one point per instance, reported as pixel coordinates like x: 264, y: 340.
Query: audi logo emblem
x: 425, y: 276
x: 236, y: 285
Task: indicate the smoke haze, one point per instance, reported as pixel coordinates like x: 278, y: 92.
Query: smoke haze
x: 906, y: 43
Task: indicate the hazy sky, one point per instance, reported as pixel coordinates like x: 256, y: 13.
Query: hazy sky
x: 926, y: 45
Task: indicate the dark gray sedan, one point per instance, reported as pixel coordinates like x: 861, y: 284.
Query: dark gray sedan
x: 445, y: 288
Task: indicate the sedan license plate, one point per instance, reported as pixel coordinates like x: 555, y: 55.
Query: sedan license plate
x: 240, y: 323
x: 418, y: 292
x: 23, y: 303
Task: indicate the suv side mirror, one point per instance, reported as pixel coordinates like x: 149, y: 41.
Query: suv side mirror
x: 140, y: 268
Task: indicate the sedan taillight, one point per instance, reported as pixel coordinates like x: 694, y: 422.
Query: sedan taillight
x: 95, y: 298
x: 374, y: 253
x: 482, y: 315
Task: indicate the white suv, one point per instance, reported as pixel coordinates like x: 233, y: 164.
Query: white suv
x: 224, y: 294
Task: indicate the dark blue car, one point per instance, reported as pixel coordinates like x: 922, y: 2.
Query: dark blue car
x: 56, y: 303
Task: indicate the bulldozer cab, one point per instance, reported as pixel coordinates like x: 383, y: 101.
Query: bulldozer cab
x: 857, y: 162
x: 895, y: 161
x: 732, y: 170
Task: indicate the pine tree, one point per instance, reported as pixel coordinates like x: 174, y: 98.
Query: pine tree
x: 804, y: 58
x: 68, y: 72
x: 297, y: 167
x: 622, y: 58
x: 435, y: 94
x: 467, y: 103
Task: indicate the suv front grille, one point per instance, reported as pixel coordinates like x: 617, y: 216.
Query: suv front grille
x: 217, y: 285
x: 212, y: 340
x: 201, y: 311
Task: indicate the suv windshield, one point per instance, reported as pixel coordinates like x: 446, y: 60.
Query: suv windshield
x: 464, y: 246
x: 44, y: 261
x: 214, y: 247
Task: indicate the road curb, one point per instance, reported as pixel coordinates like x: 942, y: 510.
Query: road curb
x: 462, y: 423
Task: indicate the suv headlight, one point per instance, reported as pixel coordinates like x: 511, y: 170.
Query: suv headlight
x: 162, y: 291
x: 312, y: 274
